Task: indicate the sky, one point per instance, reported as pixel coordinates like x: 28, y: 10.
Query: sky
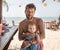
x: 51, y: 10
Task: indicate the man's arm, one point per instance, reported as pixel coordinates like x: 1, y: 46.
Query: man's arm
x: 20, y: 34
x: 36, y: 40
x: 41, y: 29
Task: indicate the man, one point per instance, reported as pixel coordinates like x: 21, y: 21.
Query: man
x: 30, y: 11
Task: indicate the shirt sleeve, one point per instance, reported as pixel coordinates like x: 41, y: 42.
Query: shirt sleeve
x: 41, y: 28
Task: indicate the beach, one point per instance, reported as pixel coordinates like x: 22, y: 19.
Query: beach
x: 51, y: 41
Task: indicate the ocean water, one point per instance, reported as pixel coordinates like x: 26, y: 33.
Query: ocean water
x: 19, y: 19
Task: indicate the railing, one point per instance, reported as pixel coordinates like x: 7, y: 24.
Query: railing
x: 7, y: 37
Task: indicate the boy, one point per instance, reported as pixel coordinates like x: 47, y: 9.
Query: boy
x: 32, y: 39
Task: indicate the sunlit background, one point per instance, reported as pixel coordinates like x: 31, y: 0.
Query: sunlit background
x: 17, y: 7
x: 49, y: 10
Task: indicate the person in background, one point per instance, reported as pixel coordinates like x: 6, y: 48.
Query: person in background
x: 30, y: 11
x: 4, y: 26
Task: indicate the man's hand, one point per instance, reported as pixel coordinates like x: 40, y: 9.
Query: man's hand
x: 29, y: 34
x: 26, y: 44
x: 34, y: 42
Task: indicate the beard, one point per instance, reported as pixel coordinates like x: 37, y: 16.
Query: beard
x: 29, y: 17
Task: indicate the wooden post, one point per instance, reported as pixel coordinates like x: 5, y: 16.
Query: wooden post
x: 0, y: 10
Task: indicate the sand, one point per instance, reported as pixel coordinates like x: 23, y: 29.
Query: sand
x: 51, y: 41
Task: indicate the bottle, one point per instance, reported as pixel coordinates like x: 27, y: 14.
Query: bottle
x: 13, y: 23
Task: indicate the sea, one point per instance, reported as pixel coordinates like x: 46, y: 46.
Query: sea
x: 17, y: 20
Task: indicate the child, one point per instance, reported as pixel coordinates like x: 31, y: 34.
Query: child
x: 32, y: 39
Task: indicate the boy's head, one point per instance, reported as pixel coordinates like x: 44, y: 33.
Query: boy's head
x: 32, y: 27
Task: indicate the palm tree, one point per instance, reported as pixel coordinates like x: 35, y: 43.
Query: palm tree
x: 6, y: 4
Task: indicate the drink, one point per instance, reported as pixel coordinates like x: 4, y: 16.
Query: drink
x: 0, y: 29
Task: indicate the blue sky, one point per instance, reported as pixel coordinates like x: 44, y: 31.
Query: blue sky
x: 51, y: 10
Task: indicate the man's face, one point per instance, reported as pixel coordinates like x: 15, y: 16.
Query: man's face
x: 32, y: 28
x: 29, y: 12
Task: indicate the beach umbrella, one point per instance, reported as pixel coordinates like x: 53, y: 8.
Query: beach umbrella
x: 44, y: 3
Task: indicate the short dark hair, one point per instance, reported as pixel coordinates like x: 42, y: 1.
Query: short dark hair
x: 31, y: 5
